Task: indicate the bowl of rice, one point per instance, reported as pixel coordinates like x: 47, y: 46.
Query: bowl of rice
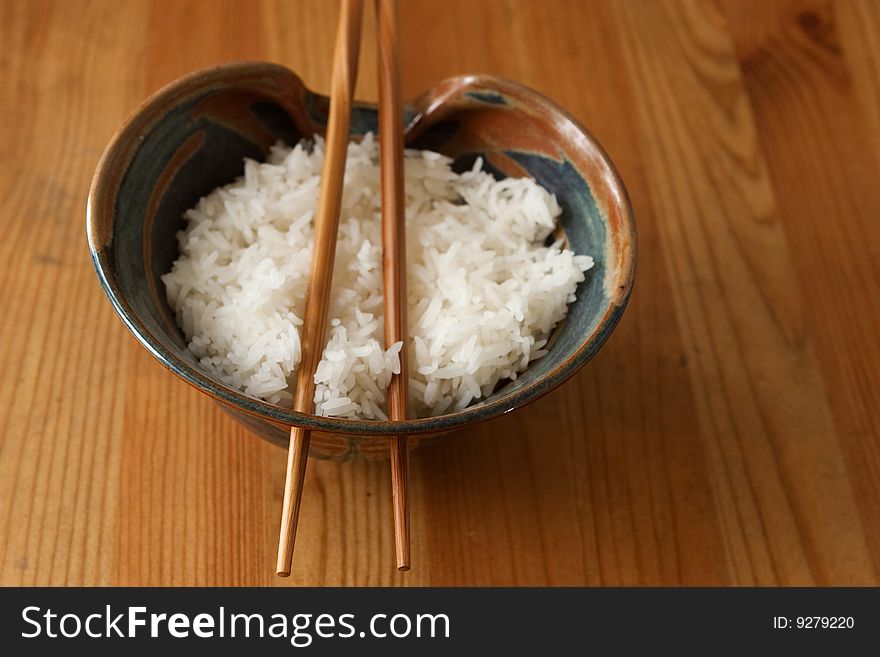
x: 521, y: 251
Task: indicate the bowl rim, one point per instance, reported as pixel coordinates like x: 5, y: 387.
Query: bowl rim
x: 138, y: 122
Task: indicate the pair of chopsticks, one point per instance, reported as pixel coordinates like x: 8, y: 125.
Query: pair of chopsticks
x: 345, y: 64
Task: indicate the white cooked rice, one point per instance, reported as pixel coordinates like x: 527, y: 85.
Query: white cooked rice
x: 483, y: 290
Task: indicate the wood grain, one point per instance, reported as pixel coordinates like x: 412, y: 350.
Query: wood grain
x: 729, y: 433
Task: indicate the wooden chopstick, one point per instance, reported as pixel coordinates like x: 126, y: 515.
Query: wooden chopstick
x: 394, y: 261
x: 345, y: 63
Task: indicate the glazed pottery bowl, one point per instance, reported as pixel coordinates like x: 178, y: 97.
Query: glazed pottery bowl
x: 192, y: 136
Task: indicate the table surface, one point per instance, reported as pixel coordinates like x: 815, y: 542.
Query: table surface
x: 726, y: 434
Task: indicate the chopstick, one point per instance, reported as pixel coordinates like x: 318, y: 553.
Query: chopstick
x: 394, y: 261
x: 345, y: 62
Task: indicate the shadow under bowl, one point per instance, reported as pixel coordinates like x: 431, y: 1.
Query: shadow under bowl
x: 191, y: 137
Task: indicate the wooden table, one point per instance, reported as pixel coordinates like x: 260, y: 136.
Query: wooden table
x: 729, y: 432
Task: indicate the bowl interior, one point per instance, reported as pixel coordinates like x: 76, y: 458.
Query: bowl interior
x: 193, y: 136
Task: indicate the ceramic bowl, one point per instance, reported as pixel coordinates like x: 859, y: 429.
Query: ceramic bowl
x: 192, y: 135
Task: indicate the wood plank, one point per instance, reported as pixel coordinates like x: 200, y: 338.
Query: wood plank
x: 824, y: 164
x: 780, y: 479
x: 61, y: 401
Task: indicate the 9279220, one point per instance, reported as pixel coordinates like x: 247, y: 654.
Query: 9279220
x: 813, y: 623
